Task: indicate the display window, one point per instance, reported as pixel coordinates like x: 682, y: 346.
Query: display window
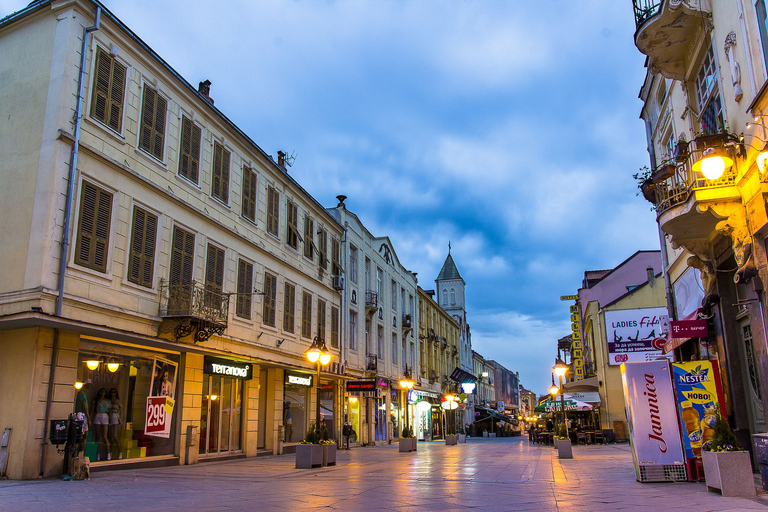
x: 295, y: 412
x: 126, y: 394
x: 354, y: 417
x: 394, y: 413
x: 328, y: 408
x: 221, y: 415
x: 380, y: 418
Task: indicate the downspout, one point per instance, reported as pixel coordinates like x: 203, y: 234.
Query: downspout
x: 65, y: 236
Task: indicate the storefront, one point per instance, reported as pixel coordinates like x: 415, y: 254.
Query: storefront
x: 129, y: 394
x: 380, y: 416
x: 221, y: 414
x: 328, y: 407
x: 357, y: 392
x: 425, y: 416
x: 395, y: 415
x: 296, y: 415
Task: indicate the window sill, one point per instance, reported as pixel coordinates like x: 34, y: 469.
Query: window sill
x: 152, y: 158
x: 220, y: 202
x: 139, y: 289
x: 119, y: 137
x: 188, y: 183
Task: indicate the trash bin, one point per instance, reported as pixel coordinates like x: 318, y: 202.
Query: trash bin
x: 761, y: 452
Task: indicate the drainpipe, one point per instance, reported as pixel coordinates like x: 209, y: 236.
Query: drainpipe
x: 65, y: 236
x: 667, y: 284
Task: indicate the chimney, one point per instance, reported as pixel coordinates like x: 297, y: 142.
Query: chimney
x: 281, y: 159
x: 341, y: 199
x: 651, y: 275
x: 205, y: 89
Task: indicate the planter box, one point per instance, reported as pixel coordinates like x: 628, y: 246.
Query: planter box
x: 564, y: 450
x: 408, y: 444
x: 729, y: 472
x: 462, y: 438
x: 329, y: 454
x: 492, y: 434
x: 485, y: 434
x: 309, y: 456
x: 450, y: 439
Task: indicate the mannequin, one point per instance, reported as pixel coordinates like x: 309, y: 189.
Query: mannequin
x: 115, y: 412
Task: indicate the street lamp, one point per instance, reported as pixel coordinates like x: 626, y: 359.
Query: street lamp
x: 713, y: 163
x: 560, y: 368
x: 406, y: 383
x: 318, y: 353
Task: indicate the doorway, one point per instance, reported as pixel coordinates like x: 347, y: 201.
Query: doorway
x: 220, y: 415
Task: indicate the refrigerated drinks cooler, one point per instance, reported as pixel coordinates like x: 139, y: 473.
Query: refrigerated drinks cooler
x: 649, y: 396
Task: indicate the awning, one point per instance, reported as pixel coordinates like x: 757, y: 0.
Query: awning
x: 590, y: 384
x: 672, y: 344
x: 570, y: 405
x: 490, y: 413
x: 462, y: 376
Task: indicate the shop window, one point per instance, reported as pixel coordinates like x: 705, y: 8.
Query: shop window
x: 295, y: 412
x: 133, y: 420
x: 220, y: 415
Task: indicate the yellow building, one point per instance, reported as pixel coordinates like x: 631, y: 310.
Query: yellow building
x: 191, y: 267
x: 439, y: 342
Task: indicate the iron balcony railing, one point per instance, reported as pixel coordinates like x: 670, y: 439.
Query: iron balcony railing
x: 371, y: 300
x: 645, y: 9
x: 407, y: 324
x: 194, y: 301
x: 371, y: 362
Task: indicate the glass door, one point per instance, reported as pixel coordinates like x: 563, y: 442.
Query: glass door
x: 220, y: 415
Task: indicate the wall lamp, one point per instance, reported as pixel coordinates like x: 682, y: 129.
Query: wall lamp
x: 713, y: 163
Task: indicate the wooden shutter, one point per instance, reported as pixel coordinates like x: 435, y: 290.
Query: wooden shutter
x: 91, y: 249
x: 220, y: 175
x: 292, y: 230
x: 244, y: 284
x: 142, y: 258
x: 189, y: 160
x: 108, y: 90
x: 334, y: 326
x: 270, y: 299
x: 273, y: 210
x: 182, y: 257
x: 321, y: 318
x: 309, y: 227
x: 153, y: 123
x: 322, y: 240
x: 306, y: 315
x: 214, y: 269
x: 289, y: 311
x: 249, y: 194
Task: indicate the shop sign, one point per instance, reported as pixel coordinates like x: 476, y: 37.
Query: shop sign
x: 688, y: 328
x: 361, y: 385
x: 159, y: 414
x: 578, y: 357
x: 382, y: 382
x: 298, y: 379
x: 633, y: 335
x: 228, y: 368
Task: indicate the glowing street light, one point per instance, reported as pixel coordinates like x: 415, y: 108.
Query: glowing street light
x: 318, y: 353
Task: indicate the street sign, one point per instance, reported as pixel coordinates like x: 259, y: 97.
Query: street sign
x: 569, y: 297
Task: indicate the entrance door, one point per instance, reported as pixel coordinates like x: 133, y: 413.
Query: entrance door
x: 220, y: 415
x: 757, y: 419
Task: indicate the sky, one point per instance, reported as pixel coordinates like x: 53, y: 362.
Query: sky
x: 508, y: 128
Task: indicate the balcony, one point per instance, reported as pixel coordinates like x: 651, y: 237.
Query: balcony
x: 689, y: 206
x: 191, y: 308
x: 371, y: 362
x: 371, y: 302
x: 665, y: 29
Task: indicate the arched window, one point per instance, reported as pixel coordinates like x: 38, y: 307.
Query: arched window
x: 453, y: 296
x: 445, y: 296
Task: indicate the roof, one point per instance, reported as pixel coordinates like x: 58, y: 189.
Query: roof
x: 449, y: 270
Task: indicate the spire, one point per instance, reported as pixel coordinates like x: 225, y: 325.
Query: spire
x: 449, y: 270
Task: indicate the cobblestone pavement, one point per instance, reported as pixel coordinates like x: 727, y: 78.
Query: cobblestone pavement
x: 484, y: 474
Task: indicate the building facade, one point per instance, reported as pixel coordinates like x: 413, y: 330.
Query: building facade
x: 704, y: 102
x: 152, y: 249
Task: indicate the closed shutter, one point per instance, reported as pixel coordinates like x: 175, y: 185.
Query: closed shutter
x: 220, y: 175
x: 182, y: 257
x: 153, y: 123
x: 306, y: 315
x: 334, y: 326
x: 91, y: 249
x: 244, y: 280
x: 273, y: 210
x: 321, y: 318
x: 249, y: 194
x: 270, y: 299
x: 108, y: 90
x: 189, y: 160
x: 309, y: 227
x: 142, y: 258
x: 289, y: 311
x: 214, y: 269
x: 292, y: 230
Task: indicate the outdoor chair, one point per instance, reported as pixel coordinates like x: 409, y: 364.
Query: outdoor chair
x: 610, y: 437
x: 581, y: 438
x: 599, y: 438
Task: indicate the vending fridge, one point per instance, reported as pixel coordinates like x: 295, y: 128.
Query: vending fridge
x: 653, y: 426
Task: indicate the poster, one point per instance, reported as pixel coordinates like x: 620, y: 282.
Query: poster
x: 159, y: 415
x: 163, y: 378
x: 635, y: 335
x: 697, y: 386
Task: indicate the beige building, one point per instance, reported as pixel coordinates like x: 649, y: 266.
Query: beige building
x: 191, y: 269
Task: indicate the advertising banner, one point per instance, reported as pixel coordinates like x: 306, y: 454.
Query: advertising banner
x: 652, y: 413
x: 698, y: 396
x: 159, y: 415
x: 634, y: 335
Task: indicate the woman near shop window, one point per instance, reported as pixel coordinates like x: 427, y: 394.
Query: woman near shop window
x: 101, y: 420
x: 115, y: 411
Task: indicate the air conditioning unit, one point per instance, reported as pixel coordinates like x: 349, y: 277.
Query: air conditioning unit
x: 338, y: 282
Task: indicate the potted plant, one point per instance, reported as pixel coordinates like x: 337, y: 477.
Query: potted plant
x: 450, y: 437
x: 664, y: 171
x: 681, y: 151
x: 309, y: 452
x: 645, y: 184
x: 407, y: 440
x: 329, y: 449
x: 462, y: 436
x: 485, y: 432
x: 727, y: 467
x: 563, y: 443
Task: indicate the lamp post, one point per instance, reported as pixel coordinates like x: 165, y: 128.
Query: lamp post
x: 406, y: 383
x: 560, y: 368
x: 318, y: 353
x: 553, y: 390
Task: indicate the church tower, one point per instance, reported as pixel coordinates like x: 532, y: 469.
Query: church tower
x: 450, y: 287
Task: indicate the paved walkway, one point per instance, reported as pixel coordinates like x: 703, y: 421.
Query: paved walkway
x: 484, y: 474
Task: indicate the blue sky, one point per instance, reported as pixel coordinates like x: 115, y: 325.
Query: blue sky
x: 509, y: 128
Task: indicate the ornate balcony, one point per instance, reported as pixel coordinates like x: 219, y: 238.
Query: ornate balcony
x: 665, y: 29
x: 371, y: 362
x: 191, y: 308
x: 371, y: 302
x: 407, y: 324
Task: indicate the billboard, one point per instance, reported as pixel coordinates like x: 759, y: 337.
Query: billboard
x: 634, y: 335
x: 697, y: 385
x: 652, y: 414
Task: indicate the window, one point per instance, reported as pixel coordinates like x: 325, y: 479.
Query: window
x: 352, y: 330
x: 214, y: 269
x: 189, y: 155
x: 367, y: 275
x: 322, y: 248
x: 108, y: 90
x: 292, y: 224
x: 270, y: 299
x: 306, y: 315
x: 142, y: 258
x: 309, y: 227
x: 182, y: 256
x: 367, y: 335
x: 445, y: 296
x: 708, y: 97
x: 249, y: 194
x: 453, y: 296
x: 335, y: 257
x: 152, y: 134
x: 380, y: 341
x: 404, y: 354
x: 92, y: 246
x: 244, y: 290
x: 321, y: 318
x: 220, y: 173
x: 273, y: 210
x: 394, y: 296
x: 762, y: 24
x: 352, y: 271
x: 289, y: 308
x: 334, y: 327
x: 378, y: 284
x: 394, y: 348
